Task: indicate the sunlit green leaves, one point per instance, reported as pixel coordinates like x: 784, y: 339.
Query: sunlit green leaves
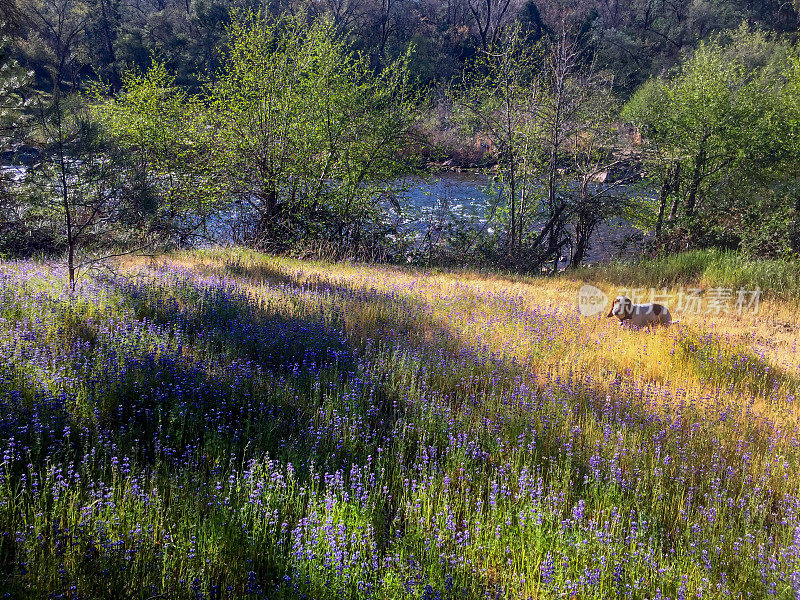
x: 167, y: 136
x: 729, y: 117
x: 295, y: 128
x: 305, y: 133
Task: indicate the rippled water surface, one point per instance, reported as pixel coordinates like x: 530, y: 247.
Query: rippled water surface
x: 469, y: 198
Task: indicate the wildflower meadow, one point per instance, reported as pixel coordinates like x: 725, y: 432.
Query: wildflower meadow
x: 224, y: 424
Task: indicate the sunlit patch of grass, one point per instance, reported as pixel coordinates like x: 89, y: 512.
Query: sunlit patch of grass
x: 532, y: 320
x: 725, y: 365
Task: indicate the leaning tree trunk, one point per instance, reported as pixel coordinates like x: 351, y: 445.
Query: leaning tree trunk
x: 513, y: 189
x: 582, y: 233
x: 662, y: 203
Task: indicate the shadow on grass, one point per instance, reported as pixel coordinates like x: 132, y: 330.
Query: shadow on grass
x: 746, y: 372
x: 250, y: 380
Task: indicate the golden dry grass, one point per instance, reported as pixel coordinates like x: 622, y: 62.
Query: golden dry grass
x: 751, y: 359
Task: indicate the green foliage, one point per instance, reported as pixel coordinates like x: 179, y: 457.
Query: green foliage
x: 295, y: 128
x: 549, y: 117
x: 727, y: 122
x: 166, y: 136
x: 54, y: 43
x: 15, y: 101
x: 305, y: 133
x: 646, y: 39
x: 14, y: 87
x: 83, y: 189
x: 499, y: 100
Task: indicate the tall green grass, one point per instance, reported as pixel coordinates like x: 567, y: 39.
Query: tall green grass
x: 711, y: 268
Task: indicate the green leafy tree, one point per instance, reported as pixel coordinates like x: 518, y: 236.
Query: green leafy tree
x: 295, y: 136
x: 501, y: 97
x: 306, y: 135
x: 15, y: 81
x: 84, y: 189
x: 718, y: 130
x: 17, y: 93
x: 166, y: 138
x: 549, y: 118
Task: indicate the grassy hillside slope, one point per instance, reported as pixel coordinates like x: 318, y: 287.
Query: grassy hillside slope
x: 227, y: 424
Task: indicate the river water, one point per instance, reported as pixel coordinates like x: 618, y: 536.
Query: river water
x: 450, y: 198
x: 468, y: 197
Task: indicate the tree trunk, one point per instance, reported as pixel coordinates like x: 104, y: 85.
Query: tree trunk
x: 582, y: 233
x: 71, y: 266
x: 662, y: 202
x: 697, y: 177
x: 513, y: 186
x: 675, y: 188
x: 269, y: 210
x: 62, y: 164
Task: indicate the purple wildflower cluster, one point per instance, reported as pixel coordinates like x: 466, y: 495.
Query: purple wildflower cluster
x: 225, y: 433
